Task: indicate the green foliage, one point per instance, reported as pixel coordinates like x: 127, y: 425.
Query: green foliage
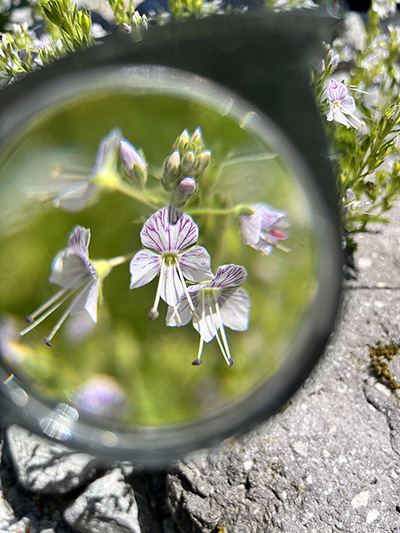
x: 368, y: 177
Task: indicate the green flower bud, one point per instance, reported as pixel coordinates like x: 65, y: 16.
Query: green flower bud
x: 202, y: 162
x: 188, y: 162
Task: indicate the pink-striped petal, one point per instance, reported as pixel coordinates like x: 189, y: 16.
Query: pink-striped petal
x: 196, y: 264
x: 169, y: 230
x: 144, y: 267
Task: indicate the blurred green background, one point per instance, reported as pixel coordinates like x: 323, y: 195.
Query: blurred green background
x: 148, y: 361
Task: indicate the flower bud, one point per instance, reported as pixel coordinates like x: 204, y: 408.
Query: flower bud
x: 133, y: 163
x: 203, y: 160
x: 321, y: 67
x: 182, y: 141
x: 171, y: 169
x: 188, y: 161
x: 23, y: 54
x: 184, y: 190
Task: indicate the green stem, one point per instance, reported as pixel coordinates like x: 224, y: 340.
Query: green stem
x: 139, y: 196
x: 240, y: 209
x: 120, y: 260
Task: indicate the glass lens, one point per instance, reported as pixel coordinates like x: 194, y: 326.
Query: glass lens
x: 150, y: 221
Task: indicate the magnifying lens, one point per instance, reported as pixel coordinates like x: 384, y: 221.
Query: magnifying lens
x: 170, y: 260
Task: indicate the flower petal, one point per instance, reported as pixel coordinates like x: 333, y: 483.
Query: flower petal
x: 250, y: 227
x: 70, y: 270
x: 207, y: 326
x: 91, y: 301
x: 76, y: 197
x: 79, y: 241
x: 171, y: 285
x: 107, y: 152
x: 229, y: 276
x: 195, y: 264
x: 339, y: 117
x: 169, y: 230
x: 348, y: 105
x: 144, y: 267
x: 235, y: 311
x: 181, y: 314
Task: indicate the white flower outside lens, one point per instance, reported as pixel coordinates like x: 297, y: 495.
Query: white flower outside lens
x: 340, y: 104
x: 169, y: 238
x: 218, y: 303
x: 76, y: 275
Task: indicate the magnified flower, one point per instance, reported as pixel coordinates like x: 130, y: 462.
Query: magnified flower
x: 77, y: 277
x: 169, y: 237
x: 73, y: 191
x: 218, y: 303
x: 263, y: 229
x: 340, y: 104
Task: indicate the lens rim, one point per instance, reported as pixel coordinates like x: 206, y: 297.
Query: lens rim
x: 296, y: 126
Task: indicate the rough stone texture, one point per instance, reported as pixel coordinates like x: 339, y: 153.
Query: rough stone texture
x: 45, y: 467
x: 107, y: 505
x: 330, y: 461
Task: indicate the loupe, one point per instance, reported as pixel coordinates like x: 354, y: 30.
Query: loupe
x: 170, y: 259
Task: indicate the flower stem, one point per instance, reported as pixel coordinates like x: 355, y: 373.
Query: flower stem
x: 240, y: 209
x: 120, y: 260
x: 139, y: 196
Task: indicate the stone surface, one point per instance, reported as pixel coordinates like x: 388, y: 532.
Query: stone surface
x: 45, y: 467
x: 329, y: 461
x: 107, y: 505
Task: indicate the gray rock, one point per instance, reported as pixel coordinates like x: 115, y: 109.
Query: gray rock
x: 329, y: 461
x: 106, y: 506
x: 45, y: 467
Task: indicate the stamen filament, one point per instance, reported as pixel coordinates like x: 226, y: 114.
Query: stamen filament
x: 185, y: 289
x: 62, y: 299
x: 223, y: 334
x: 198, y: 361
x: 47, y: 304
x: 227, y: 358
x: 66, y: 314
x: 153, y: 313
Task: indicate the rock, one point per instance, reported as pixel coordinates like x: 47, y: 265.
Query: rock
x: 330, y: 459
x: 45, y: 467
x: 106, y: 506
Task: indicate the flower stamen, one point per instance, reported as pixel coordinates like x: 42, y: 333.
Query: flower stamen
x: 228, y: 359
x: 65, y: 315
x: 198, y: 361
x: 153, y: 313
x: 61, y: 296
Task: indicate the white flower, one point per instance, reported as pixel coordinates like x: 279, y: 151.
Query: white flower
x: 169, y: 237
x: 217, y: 303
x: 73, y: 191
x: 263, y: 230
x: 340, y: 104
x: 77, y: 277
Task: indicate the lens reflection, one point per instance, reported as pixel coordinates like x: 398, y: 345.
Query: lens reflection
x: 150, y: 220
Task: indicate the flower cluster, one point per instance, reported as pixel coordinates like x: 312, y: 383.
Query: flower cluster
x: 170, y: 251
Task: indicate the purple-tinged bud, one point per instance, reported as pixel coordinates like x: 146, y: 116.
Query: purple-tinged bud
x: 185, y: 189
x: 188, y: 161
x: 133, y: 163
x: 335, y: 60
x: 321, y: 67
x: 203, y: 160
x: 126, y: 28
x: 144, y: 25
x: 23, y: 54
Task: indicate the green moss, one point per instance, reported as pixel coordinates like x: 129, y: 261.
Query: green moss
x: 380, y: 356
